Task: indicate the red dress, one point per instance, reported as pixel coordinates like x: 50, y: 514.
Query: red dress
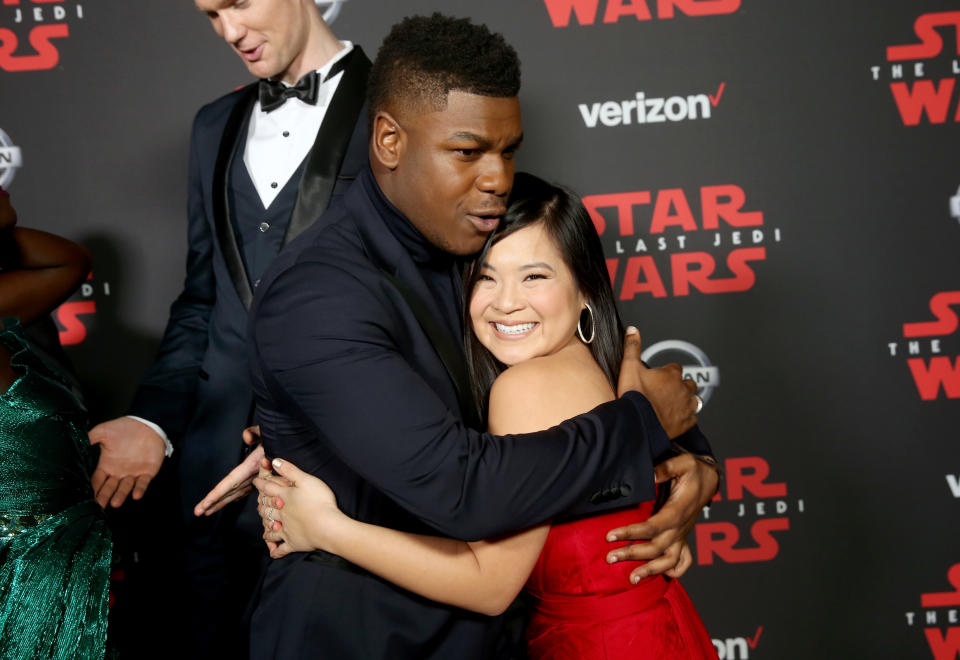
x: 587, y: 609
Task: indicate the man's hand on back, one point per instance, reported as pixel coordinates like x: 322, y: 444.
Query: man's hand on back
x: 673, y: 398
x: 694, y: 484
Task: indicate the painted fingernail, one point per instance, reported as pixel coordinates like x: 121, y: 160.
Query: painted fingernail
x: 277, y: 463
x: 612, y: 559
x: 632, y: 330
x: 634, y: 579
x: 611, y: 537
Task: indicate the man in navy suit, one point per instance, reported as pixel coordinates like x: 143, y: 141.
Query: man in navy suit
x: 360, y: 378
x: 264, y: 163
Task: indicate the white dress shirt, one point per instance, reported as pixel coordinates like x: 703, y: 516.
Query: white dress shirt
x: 278, y: 141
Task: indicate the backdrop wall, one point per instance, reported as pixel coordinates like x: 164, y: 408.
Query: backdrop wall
x: 774, y: 184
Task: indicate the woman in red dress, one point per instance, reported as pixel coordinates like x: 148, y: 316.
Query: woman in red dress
x: 546, y: 344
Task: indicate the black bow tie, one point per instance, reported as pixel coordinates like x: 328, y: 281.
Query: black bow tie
x: 274, y: 93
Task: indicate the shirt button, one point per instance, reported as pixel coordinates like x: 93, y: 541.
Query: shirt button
x: 273, y: 185
x: 286, y: 134
x: 264, y: 226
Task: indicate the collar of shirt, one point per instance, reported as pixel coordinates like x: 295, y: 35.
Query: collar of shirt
x: 422, y: 251
x: 278, y: 141
x: 438, y: 268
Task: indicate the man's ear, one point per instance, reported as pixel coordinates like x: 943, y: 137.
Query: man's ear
x: 389, y: 140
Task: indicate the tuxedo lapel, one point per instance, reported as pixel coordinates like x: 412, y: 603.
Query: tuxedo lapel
x: 330, y: 146
x: 226, y: 237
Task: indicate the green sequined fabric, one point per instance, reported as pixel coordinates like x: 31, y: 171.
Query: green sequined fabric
x: 55, y: 546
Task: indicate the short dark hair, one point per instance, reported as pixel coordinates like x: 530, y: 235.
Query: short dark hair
x: 569, y: 226
x: 424, y: 58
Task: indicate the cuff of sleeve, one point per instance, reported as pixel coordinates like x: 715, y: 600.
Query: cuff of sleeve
x: 167, y: 445
x: 656, y: 437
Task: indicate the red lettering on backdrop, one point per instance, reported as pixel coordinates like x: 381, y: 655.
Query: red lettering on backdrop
x: 924, y: 98
x: 560, y: 10
x: 694, y: 269
x: 748, y: 473
x: 619, y: 8
x: 945, y: 598
x: 74, y: 331
x: 47, y: 55
x: 672, y: 198
x: 623, y: 202
x: 718, y: 202
x: 649, y: 283
x: 947, y: 321
x: 944, y: 647
x: 929, y: 377
x: 725, y: 202
x: 697, y: 7
x: 931, y: 44
x: 612, y: 265
x: 586, y: 10
x: 718, y: 538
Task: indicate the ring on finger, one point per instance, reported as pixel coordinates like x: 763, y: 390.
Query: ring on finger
x: 270, y: 514
x: 699, y: 404
x: 263, y: 500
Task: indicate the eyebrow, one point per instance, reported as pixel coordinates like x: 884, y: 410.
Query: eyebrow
x: 467, y: 136
x: 482, y: 141
x: 538, y: 264
x: 221, y: 4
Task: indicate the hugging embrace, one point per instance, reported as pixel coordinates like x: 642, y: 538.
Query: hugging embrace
x: 364, y: 390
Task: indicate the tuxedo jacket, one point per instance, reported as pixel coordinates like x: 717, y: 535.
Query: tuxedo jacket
x: 198, y: 389
x: 356, y: 384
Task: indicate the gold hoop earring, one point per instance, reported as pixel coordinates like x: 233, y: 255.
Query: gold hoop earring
x: 593, y: 325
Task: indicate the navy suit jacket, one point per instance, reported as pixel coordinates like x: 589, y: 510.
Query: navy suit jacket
x: 198, y: 389
x: 350, y: 388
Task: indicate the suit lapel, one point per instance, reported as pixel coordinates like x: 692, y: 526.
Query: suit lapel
x: 448, y: 350
x: 330, y: 146
x: 395, y: 263
x: 221, y: 197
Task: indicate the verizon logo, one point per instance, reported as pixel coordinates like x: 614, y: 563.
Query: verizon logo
x: 643, y: 109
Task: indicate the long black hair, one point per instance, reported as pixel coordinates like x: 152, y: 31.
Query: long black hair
x: 569, y: 226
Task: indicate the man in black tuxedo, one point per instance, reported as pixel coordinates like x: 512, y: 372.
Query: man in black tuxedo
x: 360, y: 377
x: 265, y: 161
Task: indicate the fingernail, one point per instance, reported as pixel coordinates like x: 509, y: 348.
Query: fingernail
x: 611, y: 537
x: 611, y: 559
x: 277, y: 463
x: 632, y: 330
x: 634, y: 579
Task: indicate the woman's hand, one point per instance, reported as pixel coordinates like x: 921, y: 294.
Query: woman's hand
x: 299, y: 511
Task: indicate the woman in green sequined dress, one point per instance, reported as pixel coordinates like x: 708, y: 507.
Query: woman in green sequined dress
x: 55, y: 547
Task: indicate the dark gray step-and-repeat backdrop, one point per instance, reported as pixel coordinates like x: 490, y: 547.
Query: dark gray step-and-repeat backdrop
x: 777, y: 191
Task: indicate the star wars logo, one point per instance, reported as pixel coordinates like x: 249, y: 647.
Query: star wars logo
x: 587, y: 12
x: 737, y: 648
x: 924, y: 344
x: 939, y: 619
x: 742, y: 523
x: 663, y: 247
x: 923, y: 75
x: 70, y: 316
x: 37, y: 25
